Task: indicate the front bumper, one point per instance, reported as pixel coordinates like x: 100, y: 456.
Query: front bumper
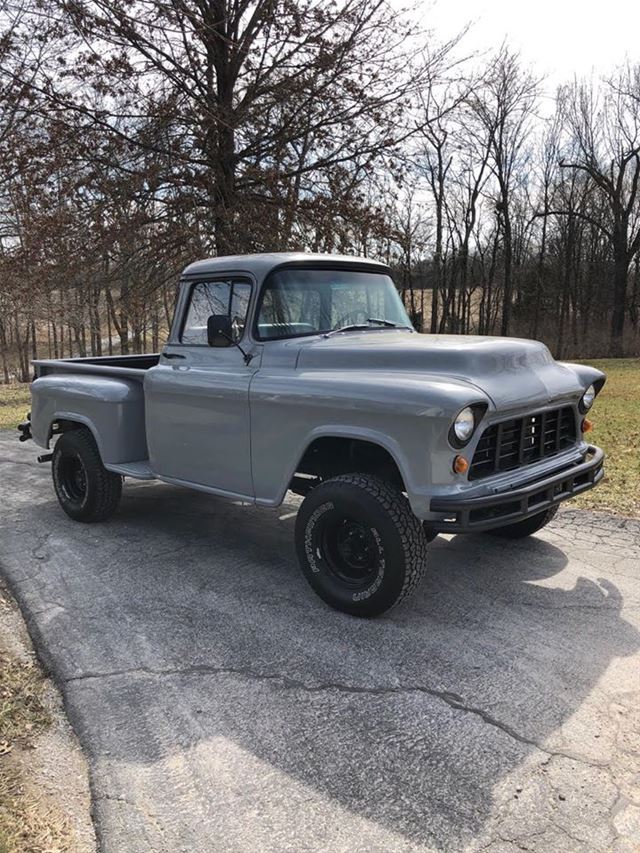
x: 466, y: 515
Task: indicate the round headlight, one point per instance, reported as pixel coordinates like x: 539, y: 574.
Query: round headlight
x: 464, y: 425
x: 587, y: 398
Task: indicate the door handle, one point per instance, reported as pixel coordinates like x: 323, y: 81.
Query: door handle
x: 173, y: 355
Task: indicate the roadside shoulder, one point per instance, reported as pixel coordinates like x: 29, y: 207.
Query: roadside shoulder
x: 45, y: 802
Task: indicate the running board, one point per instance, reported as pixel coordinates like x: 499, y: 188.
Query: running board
x: 138, y: 470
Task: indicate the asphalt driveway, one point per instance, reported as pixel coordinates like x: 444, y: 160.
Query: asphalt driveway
x: 223, y: 707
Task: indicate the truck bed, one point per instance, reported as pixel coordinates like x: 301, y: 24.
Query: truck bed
x: 104, y: 394
x: 132, y: 366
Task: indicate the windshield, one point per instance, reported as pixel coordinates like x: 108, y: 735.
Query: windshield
x: 309, y: 301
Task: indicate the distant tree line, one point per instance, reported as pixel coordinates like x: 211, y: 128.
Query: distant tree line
x: 137, y: 136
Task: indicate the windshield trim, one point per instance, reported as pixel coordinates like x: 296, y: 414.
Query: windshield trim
x: 358, y: 266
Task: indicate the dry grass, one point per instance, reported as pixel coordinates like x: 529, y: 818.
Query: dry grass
x: 616, y: 415
x: 15, y: 401
x: 28, y: 824
x: 22, y: 711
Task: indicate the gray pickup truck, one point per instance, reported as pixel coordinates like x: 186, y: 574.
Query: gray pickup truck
x: 303, y: 372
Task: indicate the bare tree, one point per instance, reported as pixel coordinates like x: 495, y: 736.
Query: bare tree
x: 504, y: 106
x: 247, y: 103
x: 135, y: 136
x: 606, y: 134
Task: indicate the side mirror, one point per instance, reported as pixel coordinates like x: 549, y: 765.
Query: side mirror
x: 219, y: 331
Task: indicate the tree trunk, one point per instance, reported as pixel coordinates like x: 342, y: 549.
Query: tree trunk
x: 3, y: 351
x: 620, y: 280
x: 507, y: 294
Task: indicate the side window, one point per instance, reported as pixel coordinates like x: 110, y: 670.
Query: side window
x: 216, y: 297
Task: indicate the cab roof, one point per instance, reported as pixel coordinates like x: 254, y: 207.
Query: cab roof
x: 260, y: 265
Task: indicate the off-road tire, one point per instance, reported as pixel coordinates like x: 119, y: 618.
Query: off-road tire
x: 96, y: 494
x: 397, y: 543
x: 526, y: 527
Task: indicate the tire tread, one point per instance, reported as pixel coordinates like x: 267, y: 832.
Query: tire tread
x: 409, y: 527
x: 107, y: 486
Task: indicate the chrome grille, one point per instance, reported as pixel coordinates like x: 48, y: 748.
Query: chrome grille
x: 521, y: 441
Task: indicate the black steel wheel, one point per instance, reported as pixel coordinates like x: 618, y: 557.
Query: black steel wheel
x: 85, y: 489
x: 350, y: 549
x: 360, y: 547
x: 73, y: 478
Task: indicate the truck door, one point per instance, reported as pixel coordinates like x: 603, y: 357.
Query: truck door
x: 197, y: 398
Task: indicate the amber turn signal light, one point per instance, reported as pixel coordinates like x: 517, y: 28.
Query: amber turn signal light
x: 587, y: 425
x: 460, y: 465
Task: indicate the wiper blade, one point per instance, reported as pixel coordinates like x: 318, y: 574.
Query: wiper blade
x: 354, y: 327
x: 363, y: 327
x: 380, y: 322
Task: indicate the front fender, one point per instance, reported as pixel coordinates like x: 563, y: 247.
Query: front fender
x: 340, y: 431
x: 409, y: 416
x: 586, y: 374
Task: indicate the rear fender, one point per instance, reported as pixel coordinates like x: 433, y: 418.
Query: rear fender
x: 112, y: 409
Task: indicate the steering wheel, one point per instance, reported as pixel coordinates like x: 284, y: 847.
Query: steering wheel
x: 346, y: 319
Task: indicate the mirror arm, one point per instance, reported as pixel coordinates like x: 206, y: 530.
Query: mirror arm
x: 248, y: 356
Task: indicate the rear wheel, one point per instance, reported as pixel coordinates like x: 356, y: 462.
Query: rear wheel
x: 526, y: 527
x: 360, y: 547
x: 85, y: 489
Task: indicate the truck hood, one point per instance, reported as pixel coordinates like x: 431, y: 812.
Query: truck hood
x: 513, y: 372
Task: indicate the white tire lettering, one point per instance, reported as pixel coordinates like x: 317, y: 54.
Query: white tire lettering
x: 308, y: 534
x: 375, y: 586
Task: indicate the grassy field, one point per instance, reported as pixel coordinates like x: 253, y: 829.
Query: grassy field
x: 616, y: 418
x: 14, y: 405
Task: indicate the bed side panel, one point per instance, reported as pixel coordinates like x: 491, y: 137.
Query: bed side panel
x: 112, y: 408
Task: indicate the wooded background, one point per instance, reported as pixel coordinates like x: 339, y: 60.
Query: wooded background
x: 136, y: 137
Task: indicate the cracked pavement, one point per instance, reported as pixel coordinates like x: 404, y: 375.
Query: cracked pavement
x: 222, y: 706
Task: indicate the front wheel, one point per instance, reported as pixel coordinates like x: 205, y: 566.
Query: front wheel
x: 360, y: 547
x: 85, y: 489
x: 526, y: 527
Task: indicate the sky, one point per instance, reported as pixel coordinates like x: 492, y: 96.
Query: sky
x: 557, y: 38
